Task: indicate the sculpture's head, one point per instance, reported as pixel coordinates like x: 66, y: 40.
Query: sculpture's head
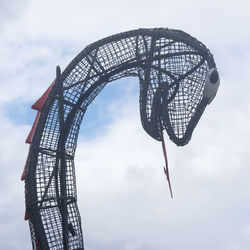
x: 176, y: 86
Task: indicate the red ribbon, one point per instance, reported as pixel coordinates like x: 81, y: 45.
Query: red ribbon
x: 166, y: 164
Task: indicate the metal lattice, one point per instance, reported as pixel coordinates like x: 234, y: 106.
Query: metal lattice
x: 172, y: 68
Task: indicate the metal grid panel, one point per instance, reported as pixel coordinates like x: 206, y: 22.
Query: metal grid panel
x: 171, y: 67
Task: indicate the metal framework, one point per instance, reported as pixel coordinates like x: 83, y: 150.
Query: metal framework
x: 173, y: 70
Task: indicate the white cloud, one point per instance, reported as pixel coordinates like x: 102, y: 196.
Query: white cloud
x: 123, y: 193
x: 13, y: 230
x: 124, y: 197
x: 10, y: 10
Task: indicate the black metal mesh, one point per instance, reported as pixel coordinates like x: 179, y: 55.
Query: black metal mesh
x: 171, y: 67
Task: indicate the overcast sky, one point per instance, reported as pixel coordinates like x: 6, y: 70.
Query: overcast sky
x: 123, y: 195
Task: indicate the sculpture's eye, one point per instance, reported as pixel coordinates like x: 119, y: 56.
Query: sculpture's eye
x: 211, y: 85
x: 214, y: 76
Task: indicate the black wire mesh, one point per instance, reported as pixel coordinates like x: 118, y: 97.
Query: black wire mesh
x: 171, y: 67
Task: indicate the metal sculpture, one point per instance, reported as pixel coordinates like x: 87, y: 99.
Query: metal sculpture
x: 178, y: 78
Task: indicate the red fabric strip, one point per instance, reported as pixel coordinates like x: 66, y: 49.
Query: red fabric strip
x: 23, y: 174
x: 33, y: 129
x: 38, y: 105
x: 25, y: 166
x: 26, y: 216
x: 166, y: 164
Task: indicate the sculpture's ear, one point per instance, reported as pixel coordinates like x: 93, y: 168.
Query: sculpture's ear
x: 211, y: 85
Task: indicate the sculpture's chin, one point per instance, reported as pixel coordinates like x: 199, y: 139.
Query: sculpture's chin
x: 181, y: 135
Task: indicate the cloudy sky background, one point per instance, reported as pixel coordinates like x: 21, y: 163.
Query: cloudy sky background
x: 123, y: 195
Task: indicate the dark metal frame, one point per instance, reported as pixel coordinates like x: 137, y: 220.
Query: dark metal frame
x: 171, y: 67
